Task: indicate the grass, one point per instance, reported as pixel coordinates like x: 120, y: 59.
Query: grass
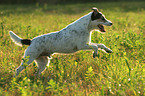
x: 121, y: 73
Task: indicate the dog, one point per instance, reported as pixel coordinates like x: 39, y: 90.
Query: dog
x: 74, y: 37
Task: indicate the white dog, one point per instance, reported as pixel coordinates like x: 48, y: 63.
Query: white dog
x: 74, y: 37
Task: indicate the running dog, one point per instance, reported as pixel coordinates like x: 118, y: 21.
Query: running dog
x: 74, y: 37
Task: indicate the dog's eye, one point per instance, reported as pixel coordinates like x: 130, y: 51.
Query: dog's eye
x: 98, y: 15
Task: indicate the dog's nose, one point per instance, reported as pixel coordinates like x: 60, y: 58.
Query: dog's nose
x: 111, y: 23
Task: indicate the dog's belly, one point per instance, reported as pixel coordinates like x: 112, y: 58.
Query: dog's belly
x: 63, y: 50
x: 46, y: 53
x: 68, y: 50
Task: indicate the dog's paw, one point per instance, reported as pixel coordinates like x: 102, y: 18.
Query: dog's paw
x: 109, y: 51
x: 95, y: 55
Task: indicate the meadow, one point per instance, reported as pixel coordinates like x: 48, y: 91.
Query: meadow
x: 121, y: 73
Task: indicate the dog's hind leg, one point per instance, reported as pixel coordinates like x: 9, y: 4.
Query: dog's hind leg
x: 22, y: 66
x: 31, y: 54
x: 42, y: 61
x: 102, y: 46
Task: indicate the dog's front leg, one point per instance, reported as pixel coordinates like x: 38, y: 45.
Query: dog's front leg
x: 90, y: 47
x: 102, y: 46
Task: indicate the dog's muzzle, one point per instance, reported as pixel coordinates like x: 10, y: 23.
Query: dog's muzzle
x: 108, y: 23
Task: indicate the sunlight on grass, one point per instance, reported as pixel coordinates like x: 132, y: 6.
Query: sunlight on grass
x: 121, y: 73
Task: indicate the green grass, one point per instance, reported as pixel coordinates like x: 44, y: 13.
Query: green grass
x: 121, y: 73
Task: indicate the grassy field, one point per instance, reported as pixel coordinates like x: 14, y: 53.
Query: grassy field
x: 121, y: 73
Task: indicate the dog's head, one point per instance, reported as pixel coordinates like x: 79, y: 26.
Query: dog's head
x: 98, y: 20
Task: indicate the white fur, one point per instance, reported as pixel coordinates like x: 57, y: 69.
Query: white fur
x: 74, y: 37
x: 15, y: 38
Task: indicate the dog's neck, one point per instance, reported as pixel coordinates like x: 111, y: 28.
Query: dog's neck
x: 82, y: 23
x: 92, y: 28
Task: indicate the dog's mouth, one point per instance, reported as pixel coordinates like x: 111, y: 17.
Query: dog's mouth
x: 101, y: 28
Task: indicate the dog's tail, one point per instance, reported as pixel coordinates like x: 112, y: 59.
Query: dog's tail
x: 19, y: 41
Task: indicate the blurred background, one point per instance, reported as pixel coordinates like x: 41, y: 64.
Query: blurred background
x: 56, y: 1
